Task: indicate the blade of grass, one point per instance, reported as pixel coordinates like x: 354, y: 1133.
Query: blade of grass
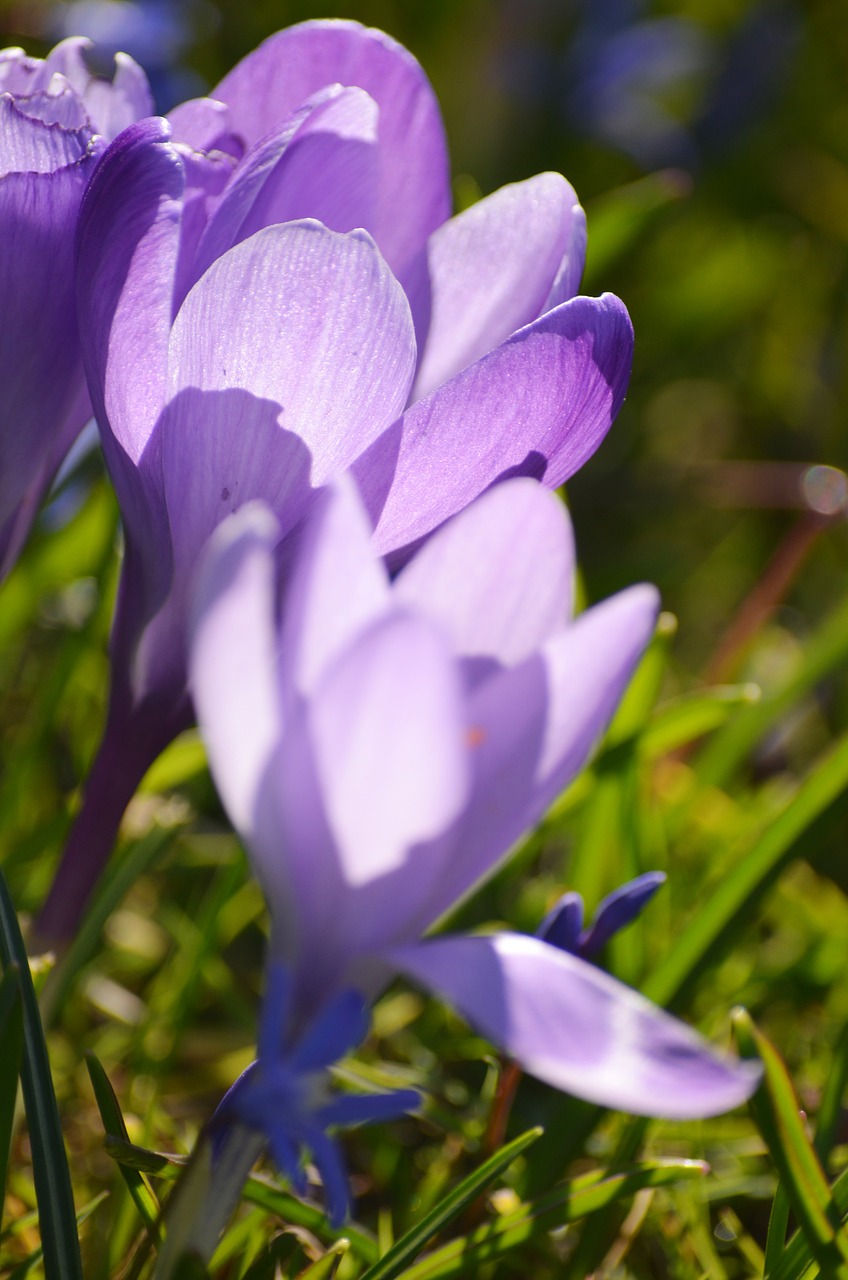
x: 113, y: 1123
x: 411, y: 1244
x: 57, y: 1219
x: 569, y: 1203
x: 733, y: 899
x: 37, y: 1255
x: 830, y: 1107
x: 776, y: 1112
x: 824, y: 652
x: 325, y: 1268
x: 12, y: 1040
x: 797, y: 1258
x: 776, y: 1237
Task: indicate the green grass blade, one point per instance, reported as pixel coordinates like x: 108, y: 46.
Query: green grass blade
x: 36, y: 1256
x: 733, y: 899
x: 694, y: 715
x: 569, y: 1203
x: 797, y: 1259
x: 823, y: 653
x: 113, y: 1123
x: 411, y: 1244
x: 325, y: 1268
x: 830, y: 1107
x: 776, y: 1237
x: 12, y: 1040
x: 49, y: 1163
x: 775, y: 1109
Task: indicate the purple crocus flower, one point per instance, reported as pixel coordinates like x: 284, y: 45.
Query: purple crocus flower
x: 55, y: 117
x: 235, y: 354
x: 380, y: 748
x: 563, y: 926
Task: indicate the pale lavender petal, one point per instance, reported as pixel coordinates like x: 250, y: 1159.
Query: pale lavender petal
x: 293, y: 350
x: 488, y: 272
x: 540, y: 404
x: 532, y: 728
x: 499, y: 576
x: 578, y: 1029
x: 369, y: 767
x: 19, y: 74
x: 279, y: 76
x: 31, y: 144
x: 386, y: 726
x: 322, y: 164
x: 567, y: 283
x: 207, y: 175
x: 233, y: 643
x: 204, y: 125
x: 337, y: 588
x: 112, y: 104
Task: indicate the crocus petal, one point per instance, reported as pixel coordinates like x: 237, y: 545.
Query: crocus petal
x: 578, y: 1029
x: 204, y: 125
x: 618, y: 909
x: 531, y: 729
x: 291, y: 351
x: 337, y: 589
x: 489, y: 271
x: 498, y: 576
x: 112, y: 104
x: 321, y: 165
x: 371, y: 765
x: 39, y: 362
x: 233, y: 658
x: 35, y: 144
x: 270, y: 83
x: 128, y: 245
x: 540, y: 404
x: 386, y: 725
x: 563, y: 924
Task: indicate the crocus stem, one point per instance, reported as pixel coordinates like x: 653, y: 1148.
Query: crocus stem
x: 131, y: 743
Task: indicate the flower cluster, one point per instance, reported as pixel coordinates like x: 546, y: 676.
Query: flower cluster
x: 333, y: 414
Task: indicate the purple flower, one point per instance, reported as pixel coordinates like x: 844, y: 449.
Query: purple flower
x: 380, y: 748
x: 563, y: 925
x: 233, y: 353
x: 54, y: 117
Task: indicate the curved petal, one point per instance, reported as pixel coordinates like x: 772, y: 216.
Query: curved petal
x: 498, y: 576
x: 270, y: 83
x: 204, y: 125
x: 386, y: 728
x: 578, y: 1029
x: 489, y: 271
x: 293, y: 350
x: 368, y: 768
x: 127, y: 255
x: 233, y: 658
x: 40, y: 368
x: 321, y: 165
x: 540, y: 404
x: 38, y: 137
x: 337, y: 589
x: 112, y: 104
x: 532, y: 728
